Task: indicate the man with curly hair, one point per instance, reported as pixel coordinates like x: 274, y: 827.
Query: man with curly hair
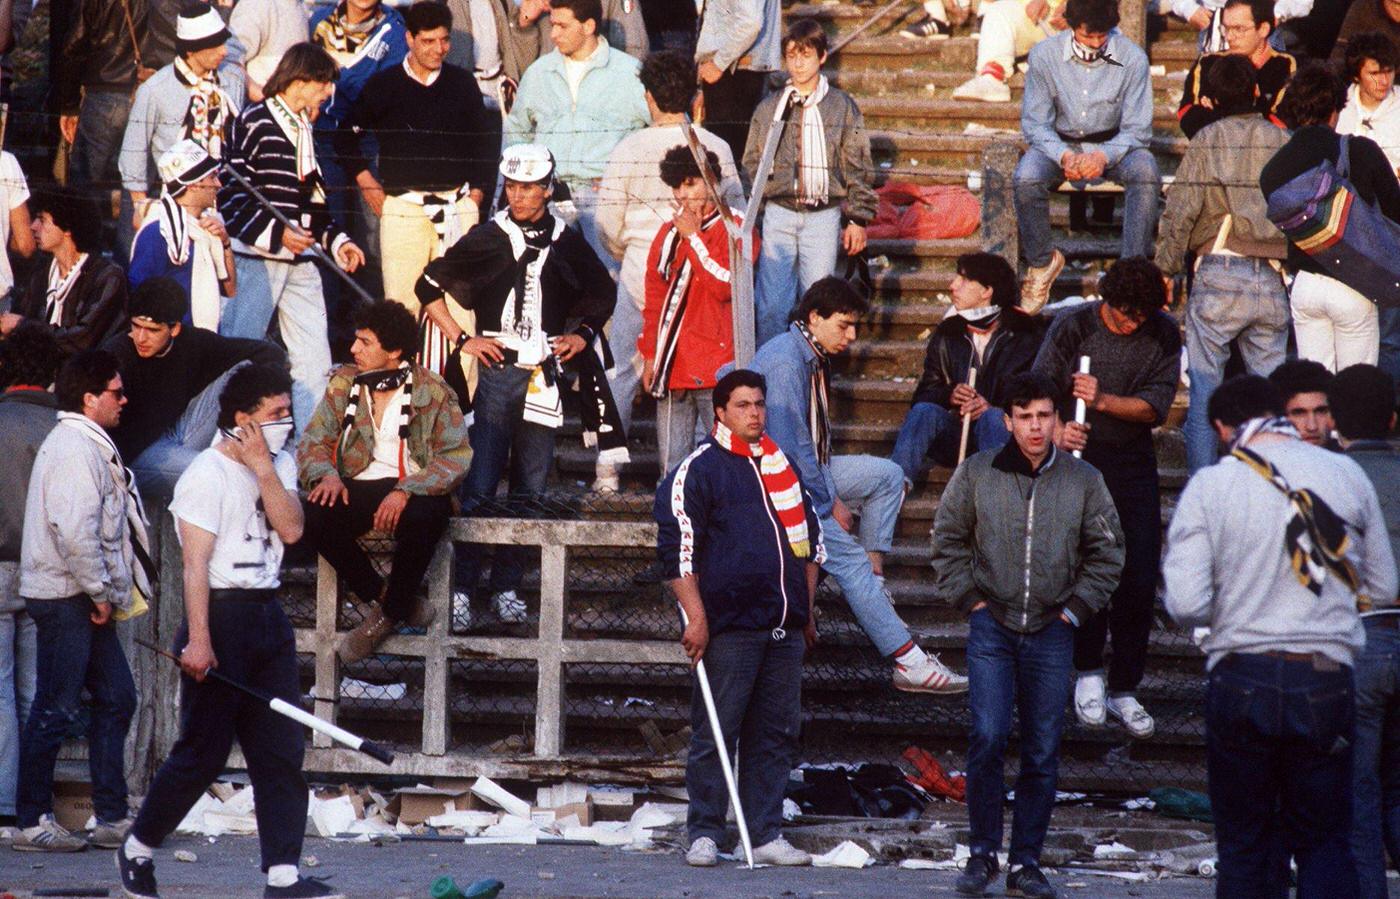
x: 1134, y: 352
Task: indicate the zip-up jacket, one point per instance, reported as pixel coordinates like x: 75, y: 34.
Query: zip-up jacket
x: 1010, y: 351
x: 715, y: 521
x: 1030, y: 544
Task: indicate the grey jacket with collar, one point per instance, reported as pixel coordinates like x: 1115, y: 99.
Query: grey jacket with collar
x: 1031, y: 545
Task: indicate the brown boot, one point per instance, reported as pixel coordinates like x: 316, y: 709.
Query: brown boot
x: 1035, y: 290
x: 360, y: 642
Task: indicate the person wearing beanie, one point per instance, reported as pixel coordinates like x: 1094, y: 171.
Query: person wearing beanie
x: 173, y: 374
x: 194, y: 98
x: 183, y: 236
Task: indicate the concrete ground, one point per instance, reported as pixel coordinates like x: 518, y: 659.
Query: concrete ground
x: 228, y: 869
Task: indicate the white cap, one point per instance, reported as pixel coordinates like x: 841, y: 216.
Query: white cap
x: 182, y: 165
x: 527, y: 162
x: 199, y: 27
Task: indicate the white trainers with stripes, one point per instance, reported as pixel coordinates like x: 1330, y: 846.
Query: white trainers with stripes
x: 925, y: 673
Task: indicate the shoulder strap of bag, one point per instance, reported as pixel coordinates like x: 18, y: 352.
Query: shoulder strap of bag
x: 131, y: 32
x: 1344, y: 158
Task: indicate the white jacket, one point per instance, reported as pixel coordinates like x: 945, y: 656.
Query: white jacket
x: 1381, y: 124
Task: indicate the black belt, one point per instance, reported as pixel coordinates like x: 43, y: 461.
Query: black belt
x: 1098, y: 137
x: 241, y: 595
x: 1390, y: 620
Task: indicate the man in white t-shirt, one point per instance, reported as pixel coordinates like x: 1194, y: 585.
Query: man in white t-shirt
x: 235, y: 507
x: 15, y: 232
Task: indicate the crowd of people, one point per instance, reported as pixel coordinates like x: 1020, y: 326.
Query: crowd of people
x: 519, y: 183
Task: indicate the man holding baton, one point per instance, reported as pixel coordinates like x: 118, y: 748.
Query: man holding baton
x: 740, y: 541
x: 235, y: 507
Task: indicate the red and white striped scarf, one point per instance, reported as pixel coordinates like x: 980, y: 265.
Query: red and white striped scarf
x: 780, y: 482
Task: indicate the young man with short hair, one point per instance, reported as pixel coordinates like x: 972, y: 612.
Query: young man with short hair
x: 1002, y: 507
x: 184, y: 238
x: 235, y: 507
x: 1373, y: 103
x: 819, y: 196
x: 1247, y: 25
x: 1273, y: 548
x: 1303, y: 387
x: 1134, y: 351
x: 985, y: 332
x: 384, y: 451
x: 738, y: 496
x: 29, y: 359
x: 1087, y: 115
x: 797, y: 367
x: 688, y: 331
x: 83, y: 559
x: 1362, y: 406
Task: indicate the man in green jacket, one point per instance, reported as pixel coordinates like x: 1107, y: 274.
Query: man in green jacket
x: 384, y: 451
x: 1027, y: 541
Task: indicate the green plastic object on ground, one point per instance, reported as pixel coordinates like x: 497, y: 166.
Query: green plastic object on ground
x: 486, y: 888
x: 1174, y: 802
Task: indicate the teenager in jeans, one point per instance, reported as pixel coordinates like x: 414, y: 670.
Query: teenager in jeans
x: 1002, y: 508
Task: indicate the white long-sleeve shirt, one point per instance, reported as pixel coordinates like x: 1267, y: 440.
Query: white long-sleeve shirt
x: 1381, y: 124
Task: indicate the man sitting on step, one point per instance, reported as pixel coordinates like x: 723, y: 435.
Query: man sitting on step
x: 983, y: 332
x: 384, y: 451
x: 797, y: 366
x: 1087, y: 116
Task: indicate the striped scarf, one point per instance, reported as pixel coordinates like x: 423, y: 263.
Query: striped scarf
x: 818, y: 416
x: 347, y: 43
x: 779, y: 481
x: 59, y: 287
x: 1315, y: 538
x: 677, y: 277
x: 813, y: 183
x: 208, y: 110
x: 400, y: 379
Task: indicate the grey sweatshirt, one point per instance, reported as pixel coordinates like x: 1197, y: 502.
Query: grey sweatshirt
x: 1227, y: 568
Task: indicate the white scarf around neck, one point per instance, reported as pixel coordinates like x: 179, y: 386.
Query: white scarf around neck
x: 297, y: 128
x: 184, y: 238
x: 209, y: 108
x: 813, y: 187
x: 59, y: 288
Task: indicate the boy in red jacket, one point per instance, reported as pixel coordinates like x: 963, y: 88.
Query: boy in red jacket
x: 688, y: 327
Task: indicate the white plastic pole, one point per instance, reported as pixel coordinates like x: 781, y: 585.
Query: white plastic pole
x: 1081, y: 410
x: 967, y: 419
x: 718, y: 735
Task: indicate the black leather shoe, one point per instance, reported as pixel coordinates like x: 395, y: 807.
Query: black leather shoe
x: 1029, y: 882
x: 977, y: 875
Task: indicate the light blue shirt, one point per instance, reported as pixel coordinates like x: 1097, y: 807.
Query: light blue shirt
x: 787, y: 363
x: 1065, y: 96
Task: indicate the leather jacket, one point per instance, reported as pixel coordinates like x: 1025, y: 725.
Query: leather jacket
x: 99, y: 54
x: 94, y: 311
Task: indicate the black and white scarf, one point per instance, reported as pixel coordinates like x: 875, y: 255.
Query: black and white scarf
x: 136, y: 549
x: 813, y: 187
x: 400, y: 379
x: 530, y: 243
x: 677, y: 277
x: 297, y: 128
x: 1315, y: 537
x: 208, y: 111
x: 58, y: 289
x: 818, y: 418
x: 184, y: 238
x: 348, y: 44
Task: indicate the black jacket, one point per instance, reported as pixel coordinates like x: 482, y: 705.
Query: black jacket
x: 99, y: 54
x: 94, y: 311
x: 1010, y: 351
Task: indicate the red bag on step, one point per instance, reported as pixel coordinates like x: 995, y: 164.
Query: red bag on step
x: 910, y: 211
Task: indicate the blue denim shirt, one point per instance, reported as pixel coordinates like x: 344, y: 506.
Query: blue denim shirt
x: 787, y: 363
x: 1064, y: 96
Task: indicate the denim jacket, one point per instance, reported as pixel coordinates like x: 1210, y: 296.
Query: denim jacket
x: 787, y: 363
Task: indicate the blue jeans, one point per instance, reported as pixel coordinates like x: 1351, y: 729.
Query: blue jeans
x: 160, y: 465
x: 73, y: 655
x: 1279, y: 757
x: 502, y: 441
x: 1033, y: 673
x: 931, y: 430
x: 873, y: 489
x: 848, y: 564
x: 798, y: 249
x: 1233, y: 297
x: 92, y: 164
x: 18, y: 648
x: 1376, y: 758
x: 1038, y: 174
x: 1390, y: 341
x: 757, y: 687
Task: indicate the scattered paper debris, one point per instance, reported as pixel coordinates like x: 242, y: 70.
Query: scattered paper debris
x: 488, y: 790
x: 846, y: 855
x: 1114, y: 850
x: 332, y: 816
x: 920, y: 864
x: 184, y: 855
x: 311, y: 861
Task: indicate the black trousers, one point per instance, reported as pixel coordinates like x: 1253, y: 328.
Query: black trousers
x: 729, y: 105
x: 1131, y: 476
x: 333, y: 532
x: 254, y: 645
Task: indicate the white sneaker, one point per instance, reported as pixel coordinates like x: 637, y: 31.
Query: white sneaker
x: 605, y: 480
x: 509, y: 607
x: 1133, y: 716
x: 461, y: 610
x: 1089, y: 700
x: 703, y: 853
x: 780, y: 852
x: 927, y: 674
x: 986, y: 88
x: 47, y: 836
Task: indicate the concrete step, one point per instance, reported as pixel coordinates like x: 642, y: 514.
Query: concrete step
x: 906, y: 154
x: 922, y: 114
x: 942, y: 255
x: 917, y: 80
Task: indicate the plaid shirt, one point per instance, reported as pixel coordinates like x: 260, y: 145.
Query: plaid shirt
x: 437, y: 436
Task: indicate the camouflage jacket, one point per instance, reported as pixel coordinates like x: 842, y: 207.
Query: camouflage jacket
x: 437, y: 436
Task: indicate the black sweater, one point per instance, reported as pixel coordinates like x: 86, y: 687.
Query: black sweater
x: 1010, y: 351
x: 159, y: 389
x: 1371, y: 174
x: 430, y: 138
x: 1273, y: 77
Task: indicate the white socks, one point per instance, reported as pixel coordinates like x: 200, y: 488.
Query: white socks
x: 911, y: 656
x: 135, y: 849
x: 281, y: 875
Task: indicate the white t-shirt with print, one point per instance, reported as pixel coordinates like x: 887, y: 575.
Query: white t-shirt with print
x: 221, y: 496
